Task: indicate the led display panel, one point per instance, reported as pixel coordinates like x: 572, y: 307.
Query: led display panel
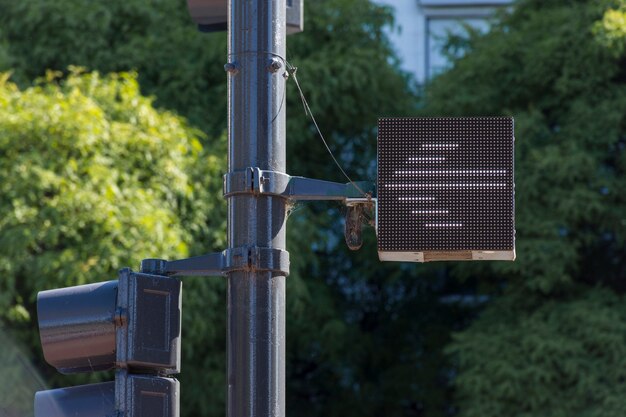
x: 445, y: 189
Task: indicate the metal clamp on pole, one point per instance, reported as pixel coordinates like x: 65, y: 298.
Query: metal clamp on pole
x: 257, y: 260
x: 256, y: 181
x: 263, y: 182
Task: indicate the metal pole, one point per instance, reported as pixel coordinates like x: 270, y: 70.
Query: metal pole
x: 256, y: 138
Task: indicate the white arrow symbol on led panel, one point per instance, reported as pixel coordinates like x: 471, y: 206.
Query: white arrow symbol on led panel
x: 416, y: 198
x: 497, y: 185
x: 440, y: 145
x: 484, y: 172
x: 428, y: 159
x: 466, y: 172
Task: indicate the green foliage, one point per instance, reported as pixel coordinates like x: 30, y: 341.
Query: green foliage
x: 19, y: 378
x: 565, y: 358
x: 83, y: 163
x: 569, y: 108
x: 552, y: 344
x: 183, y: 69
x: 363, y: 338
x: 93, y: 178
x: 5, y: 59
x: 350, y: 76
x: 611, y: 30
x: 156, y: 38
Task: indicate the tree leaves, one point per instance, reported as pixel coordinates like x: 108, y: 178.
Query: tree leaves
x: 92, y: 177
x: 561, y: 358
x: 551, y: 344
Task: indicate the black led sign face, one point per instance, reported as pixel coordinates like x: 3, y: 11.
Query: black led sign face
x: 445, y: 189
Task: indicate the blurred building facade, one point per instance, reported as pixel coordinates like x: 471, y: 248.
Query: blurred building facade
x: 424, y: 25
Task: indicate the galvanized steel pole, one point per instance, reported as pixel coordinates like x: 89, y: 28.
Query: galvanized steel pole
x: 256, y: 138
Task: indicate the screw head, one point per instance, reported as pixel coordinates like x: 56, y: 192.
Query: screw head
x: 274, y: 65
x: 231, y: 68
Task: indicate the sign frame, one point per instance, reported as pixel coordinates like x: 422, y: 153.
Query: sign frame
x: 456, y: 175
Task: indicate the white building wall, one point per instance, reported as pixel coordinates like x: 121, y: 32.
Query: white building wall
x: 422, y: 26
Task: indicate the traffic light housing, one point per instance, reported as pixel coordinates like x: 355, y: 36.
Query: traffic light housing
x: 133, y: 325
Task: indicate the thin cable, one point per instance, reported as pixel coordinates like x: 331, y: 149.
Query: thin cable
x: 291, y: 70
x: 282, y: 102
x: 308, y: 112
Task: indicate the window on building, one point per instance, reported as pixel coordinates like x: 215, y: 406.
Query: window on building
x: 438, y: 30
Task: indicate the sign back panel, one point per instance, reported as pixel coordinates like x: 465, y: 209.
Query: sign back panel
x: 445, y: 189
